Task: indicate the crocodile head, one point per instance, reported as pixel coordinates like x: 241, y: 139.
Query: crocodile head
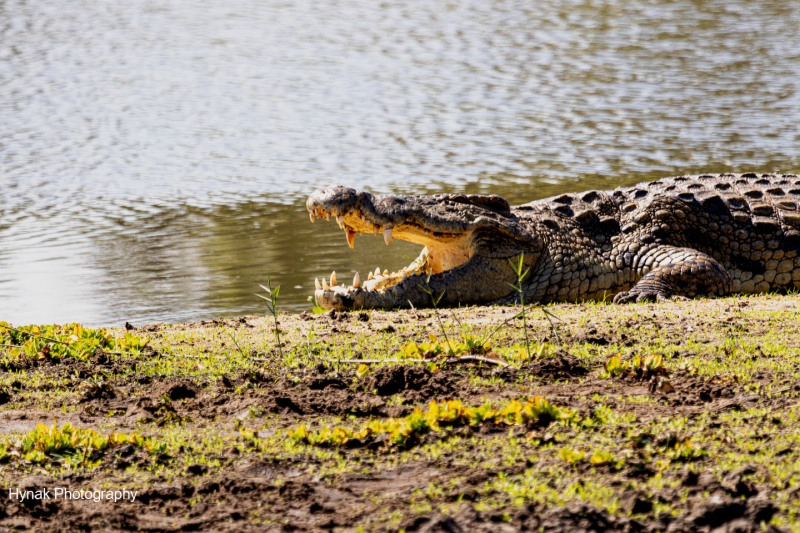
x: 466, y: 242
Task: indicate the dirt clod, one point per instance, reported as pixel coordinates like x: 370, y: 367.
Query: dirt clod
x: 400, y: 379
x: 182, y: 391
x: 562, y: 366
x: 635, y: 502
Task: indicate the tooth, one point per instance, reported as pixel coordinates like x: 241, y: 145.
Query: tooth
x: 351, y: 236
x: 404, y: 276
x: 316, y: 284
x: 369, y: 276
x: 385, y: 272
x: 376, y: 229
x: 427, y: 231
x: 327, y: 215
x: 387, y: 236
x: 377, y: 271
x: 325, y: 286
x: 375, y: 284
x: 333, y: 278
x: 356, y: 281
x: 340, y: 220
x: 362, y: 218
x: 311, y: 216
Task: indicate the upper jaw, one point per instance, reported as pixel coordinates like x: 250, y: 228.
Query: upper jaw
x: 411, y: 218
x: 426, y: 220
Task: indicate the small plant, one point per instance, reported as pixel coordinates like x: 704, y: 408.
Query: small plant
x: 309, y: 338
x: 638, y: 367
x: 602, y: 458
x: 537, y: 410
x: 472, y: 344
x: 432, y: 349
x: 571, y: 456
x: 550, y: 317
x: 518, y: 287
x: 614, y: 367
x: 315, y: 307
x: 236, y: 343
x: 688, y: 366
x: 676, y: 448
x: 272, y: 305
x: 683, y: 452
x: 425, y: 350
x: 520, y: 356
x: 647, y: 367
x: 547, y: 314
x: 601, y: 415
x: 435, y: 301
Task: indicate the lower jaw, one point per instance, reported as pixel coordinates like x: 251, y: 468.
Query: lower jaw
x: 393, y: 295
x: 343, y: 300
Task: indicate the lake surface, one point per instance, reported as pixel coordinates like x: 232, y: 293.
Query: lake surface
x: 155, y: 157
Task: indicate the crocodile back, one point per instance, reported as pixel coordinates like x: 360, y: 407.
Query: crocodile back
x: 764, y: 201
x: 749, y: 223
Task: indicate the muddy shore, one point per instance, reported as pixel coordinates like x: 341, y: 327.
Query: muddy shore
x: 705, y: 438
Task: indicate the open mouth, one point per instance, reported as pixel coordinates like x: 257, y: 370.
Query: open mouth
x: 442, y: 251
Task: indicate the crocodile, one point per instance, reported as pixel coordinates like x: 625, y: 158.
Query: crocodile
x: 675, y: 238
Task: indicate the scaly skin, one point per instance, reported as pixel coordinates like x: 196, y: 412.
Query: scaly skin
x: 686, y: 236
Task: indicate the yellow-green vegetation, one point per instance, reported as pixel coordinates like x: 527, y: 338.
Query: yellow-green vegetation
x: 244, y: 431
x: 471, y: 345
x: 70, y: 340
x: 452, y: 413
x: 70, y: 444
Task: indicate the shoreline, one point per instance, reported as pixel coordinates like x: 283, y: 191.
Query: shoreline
x: 704, y: 421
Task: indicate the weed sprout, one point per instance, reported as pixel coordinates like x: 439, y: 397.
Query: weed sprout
x: 518, y: 287
x: 272, y: 305
x: 435, y: 301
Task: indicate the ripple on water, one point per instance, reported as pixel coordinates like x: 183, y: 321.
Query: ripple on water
x: 154, y: 157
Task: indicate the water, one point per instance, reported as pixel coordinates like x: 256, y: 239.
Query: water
x: 155, y: 156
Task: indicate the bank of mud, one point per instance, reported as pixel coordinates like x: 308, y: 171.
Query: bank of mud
x: 707, y: 442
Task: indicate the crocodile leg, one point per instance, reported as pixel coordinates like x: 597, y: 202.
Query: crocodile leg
x: 679, y: 272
